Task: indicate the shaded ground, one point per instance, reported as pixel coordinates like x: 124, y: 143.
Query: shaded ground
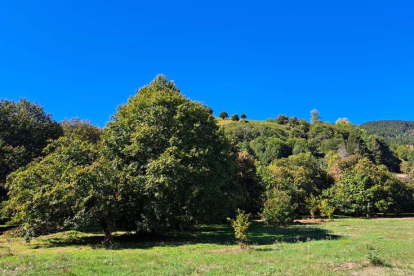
x: 259, y: 234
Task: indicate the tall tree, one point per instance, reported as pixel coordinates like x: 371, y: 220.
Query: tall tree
x: 176, y: 166
x: 25, y: 130
x: 315, y: 117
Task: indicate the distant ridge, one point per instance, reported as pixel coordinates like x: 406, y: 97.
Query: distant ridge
x: 394, y: 131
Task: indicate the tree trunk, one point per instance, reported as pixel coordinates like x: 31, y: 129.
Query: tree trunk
x: 108, y: 233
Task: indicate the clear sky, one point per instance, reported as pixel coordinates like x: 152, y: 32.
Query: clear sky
x: 82, y: 59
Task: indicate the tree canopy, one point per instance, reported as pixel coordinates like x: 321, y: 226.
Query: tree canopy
x: 172, y: 157
x: 25, y: 130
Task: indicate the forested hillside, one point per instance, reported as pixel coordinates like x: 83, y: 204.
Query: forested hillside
x: 165, y: 163
x: 395, y: 132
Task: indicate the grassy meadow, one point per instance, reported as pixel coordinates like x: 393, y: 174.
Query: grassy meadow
x: 346, y: 246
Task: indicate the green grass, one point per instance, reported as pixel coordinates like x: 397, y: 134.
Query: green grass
x: 342, y: 247
x: 221, y: 122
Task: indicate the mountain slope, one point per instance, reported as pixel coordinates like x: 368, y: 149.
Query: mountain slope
x: 394, y: 131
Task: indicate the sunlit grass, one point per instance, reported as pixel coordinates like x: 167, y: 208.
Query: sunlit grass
x: 344, y: 247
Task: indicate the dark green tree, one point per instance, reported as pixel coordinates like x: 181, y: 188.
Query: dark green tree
x: 25, y: 130
x: 235, y: 117
x: 176, y: 167
x: 70, y: 187
x: 223, y: 115
x: 382, y: 155
x: 357, y: 145
x: 282, y: 120
x: 253, y: 188
x: 267, y: 150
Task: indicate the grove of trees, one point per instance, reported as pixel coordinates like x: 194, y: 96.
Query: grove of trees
x: 163, y: 163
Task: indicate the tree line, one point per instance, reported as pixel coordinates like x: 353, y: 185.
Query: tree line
x: 162, y: 163
x: 394, y: 132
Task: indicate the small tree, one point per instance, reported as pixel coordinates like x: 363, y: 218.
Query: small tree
x: 326, y: 209
x: 240, y: 225
x: 278, y: 208
x: 235, y: 117
x: 313, y: 205
x: 224, y: 115
x: 243, y: 116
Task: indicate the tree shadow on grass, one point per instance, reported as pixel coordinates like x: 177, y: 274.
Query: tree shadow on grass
x: 4, y: 228
x: 259, y: 234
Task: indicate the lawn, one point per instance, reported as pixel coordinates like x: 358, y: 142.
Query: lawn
x: 343, y: 247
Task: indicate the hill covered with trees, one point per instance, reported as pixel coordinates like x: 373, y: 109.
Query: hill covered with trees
x: 395, y: 132
x: 166, y: 163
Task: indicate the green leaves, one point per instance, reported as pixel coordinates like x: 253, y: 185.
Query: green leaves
x: 240, y: 225
x: 71, y: 186
x: 171, y: 154
x: 279, y: 208
x: 365, y: 189
x: 25, y: 130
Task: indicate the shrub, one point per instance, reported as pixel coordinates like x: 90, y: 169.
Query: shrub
x: 375, y: 260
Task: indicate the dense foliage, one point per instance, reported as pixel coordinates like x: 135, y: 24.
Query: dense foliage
x: 174, y: 161
x: 365, y: 189
x: 395, y: 132
x: 317, y: 168
x: 81, y: 129
x: 25, y: 130
x: 165, y: 163
x: 66, y: 188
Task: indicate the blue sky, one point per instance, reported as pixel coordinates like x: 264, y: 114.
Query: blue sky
x: 82, y: 59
